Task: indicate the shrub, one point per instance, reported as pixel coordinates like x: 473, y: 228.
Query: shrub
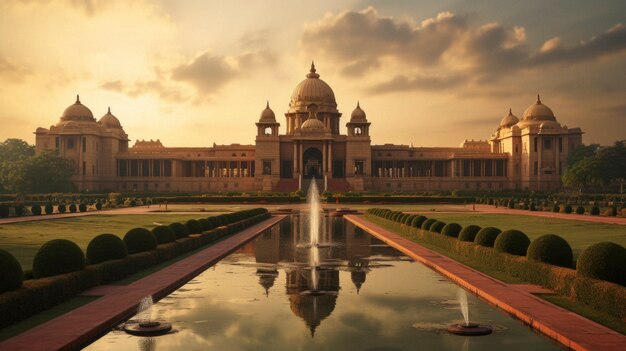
x: 56, y: 257
x: 4, y: 210
x: 595, y: 211
x: 139, y: 240
x: 427, y: 223
x: 580, y: 210
x: 437, y: 227
x: 568, y: 208
x: 179, y: 229
x: 19, y: 210
x: 82, y: 207
x: 551, y: 249
x: 36, y: 210
x: 61, y: 208
x: 487, y: 236
x: 193, y: 226
x: 417, y: 221
x: 49, y: 209
x: 105, y: 247
x: 605, y: 261
x: 408, y: 220
x: 204, y: 223
x: 73, y: 208
x: 468, y: 233
x: 513, y: 242
x: 98, y: 205
x: 533, y: 206
x: 163, y: 234
x: 11, y: 274
x: 452, y: 229
x: 556, y: 208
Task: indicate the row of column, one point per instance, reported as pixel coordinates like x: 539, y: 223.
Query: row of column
x: 327, y: 151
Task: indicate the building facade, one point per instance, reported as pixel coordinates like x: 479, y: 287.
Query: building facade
x: 526, y: 153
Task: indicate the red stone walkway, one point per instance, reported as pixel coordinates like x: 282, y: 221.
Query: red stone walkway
x: 81, y: 326
x: 568, y: 328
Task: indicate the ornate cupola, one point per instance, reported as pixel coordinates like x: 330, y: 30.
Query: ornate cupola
x: 267, y: 125
x: 358, y: 125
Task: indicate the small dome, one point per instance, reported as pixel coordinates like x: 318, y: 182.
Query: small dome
x: 312, y: 125
x: 358, y: 113
x: 538, y: 112
x: 268, y: 115
x: 313, y: 90
x: 509, y: 120
x: 110, y: 121
x: 77, y: 112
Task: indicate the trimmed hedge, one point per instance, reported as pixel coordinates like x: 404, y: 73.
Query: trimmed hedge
x: 568, y: 208
x: 73, y: 208
x: 487, y: 236
x: 139, y: 240
x: 417, y: 221
x: 11, y: 274
x: 193, y: 226
x: 163, y: 234
x: 556, y: 208
x: 604, y: 260
x: 98, y: 205
x: 551, y: 249
x: 468, y: 233
x: 36, y: 210
x: 452, y: 230
x: 179, y: 229
x: 513, y: 242
x: 595, y: 211
x: 428, y: 223
x: 61, y: 208
x: 105, y: 247
x: 580, y: 210
x: 56, y: 257
x: 49, y: 209
x: 82, y: 207
x: 4, y: 210
x: 437, y: 227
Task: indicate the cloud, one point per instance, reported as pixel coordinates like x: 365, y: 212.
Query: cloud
x: 441, y: 52
x: 157, y: 87
x: 12, y: 71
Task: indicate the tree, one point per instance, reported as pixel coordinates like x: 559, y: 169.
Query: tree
x: 581, y: 152
x: 48, y: 173
x: 599, y: 168
x: 13, y: 153
x: 15, y: 150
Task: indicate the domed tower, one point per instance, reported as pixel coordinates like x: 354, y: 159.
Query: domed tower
x: 267, y: 125
x: 267, y: 153
x: 312, y: 94
x: 358, y: 125
x: 358, y: 145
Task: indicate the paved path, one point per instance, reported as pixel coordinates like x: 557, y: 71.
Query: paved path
x: 81, y: 326
x: 568, y: 328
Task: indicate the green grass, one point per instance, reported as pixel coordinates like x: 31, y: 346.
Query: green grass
x: 578, y: 234
x: 42, y: 317
x: 586, y: 311
x: 24, y: 239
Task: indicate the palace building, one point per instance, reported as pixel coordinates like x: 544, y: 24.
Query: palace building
x: 523, y: 153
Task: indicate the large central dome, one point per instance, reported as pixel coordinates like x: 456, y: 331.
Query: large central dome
x: 312, y: 90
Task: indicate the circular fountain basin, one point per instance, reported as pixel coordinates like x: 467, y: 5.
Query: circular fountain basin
x: 147, y: 328
x: 469, y: 329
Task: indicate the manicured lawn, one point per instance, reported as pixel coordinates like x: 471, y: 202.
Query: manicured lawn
x: 24, y: 239
x: 577, y: 233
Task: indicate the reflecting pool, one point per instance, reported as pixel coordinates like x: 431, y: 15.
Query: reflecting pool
x: 372, y: 297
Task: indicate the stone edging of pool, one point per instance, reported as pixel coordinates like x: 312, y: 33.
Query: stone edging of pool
x: 568, y: 328
x: 79, y: 327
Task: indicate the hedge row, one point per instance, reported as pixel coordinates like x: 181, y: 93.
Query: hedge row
x: 400, y: 199
x: 541, y: 266
x: 61, y: 272
x: 227, y: 199
x: 37, y: 209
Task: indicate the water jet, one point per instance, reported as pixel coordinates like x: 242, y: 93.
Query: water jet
x: 146, y: 326
x: 467, y: 328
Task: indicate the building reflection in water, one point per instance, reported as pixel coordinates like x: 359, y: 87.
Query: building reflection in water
x: 343, y: 247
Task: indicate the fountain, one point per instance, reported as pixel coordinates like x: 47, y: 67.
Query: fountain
x: 467, y: 328
x: 146, y: 325
x: 313, y: 200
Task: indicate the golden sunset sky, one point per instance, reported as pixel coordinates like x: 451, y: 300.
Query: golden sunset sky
x: 431, y: 73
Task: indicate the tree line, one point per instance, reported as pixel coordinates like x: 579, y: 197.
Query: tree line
x: 597, y: 168
x: 21, y: 171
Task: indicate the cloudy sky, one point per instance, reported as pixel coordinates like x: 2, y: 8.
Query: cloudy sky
x: 430, y: 73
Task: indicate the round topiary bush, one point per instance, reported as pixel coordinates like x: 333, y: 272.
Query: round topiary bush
x: 163, y: 234
x: 139, y: 240
x: 61, y: 208
x: 73, y: 208
x: 36, y: 210
x: 427, y: 223
x: 98, y: 205
x: 551, y: 249
x: 595, y: 211
x: 580, y: 210
x: 487, y: 236
x: 49, y: 209
x: 513, y: 242
x: 19, y: 210
x: 82, y: 207
x: 605, y: 261
x: 556, y: 208
x: 408, y: 220
x: 468, y: 233
x: 568, y: 208
x: 105, y: 247
x: 437, y: 227
x: 11, y: 274
x: 204, y: 223
x: 417, y: 221
x: 193, y: 226
x: 179, y: 229
x: 56, y: 257
x: 452, y: 229
x: 4, y: 210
